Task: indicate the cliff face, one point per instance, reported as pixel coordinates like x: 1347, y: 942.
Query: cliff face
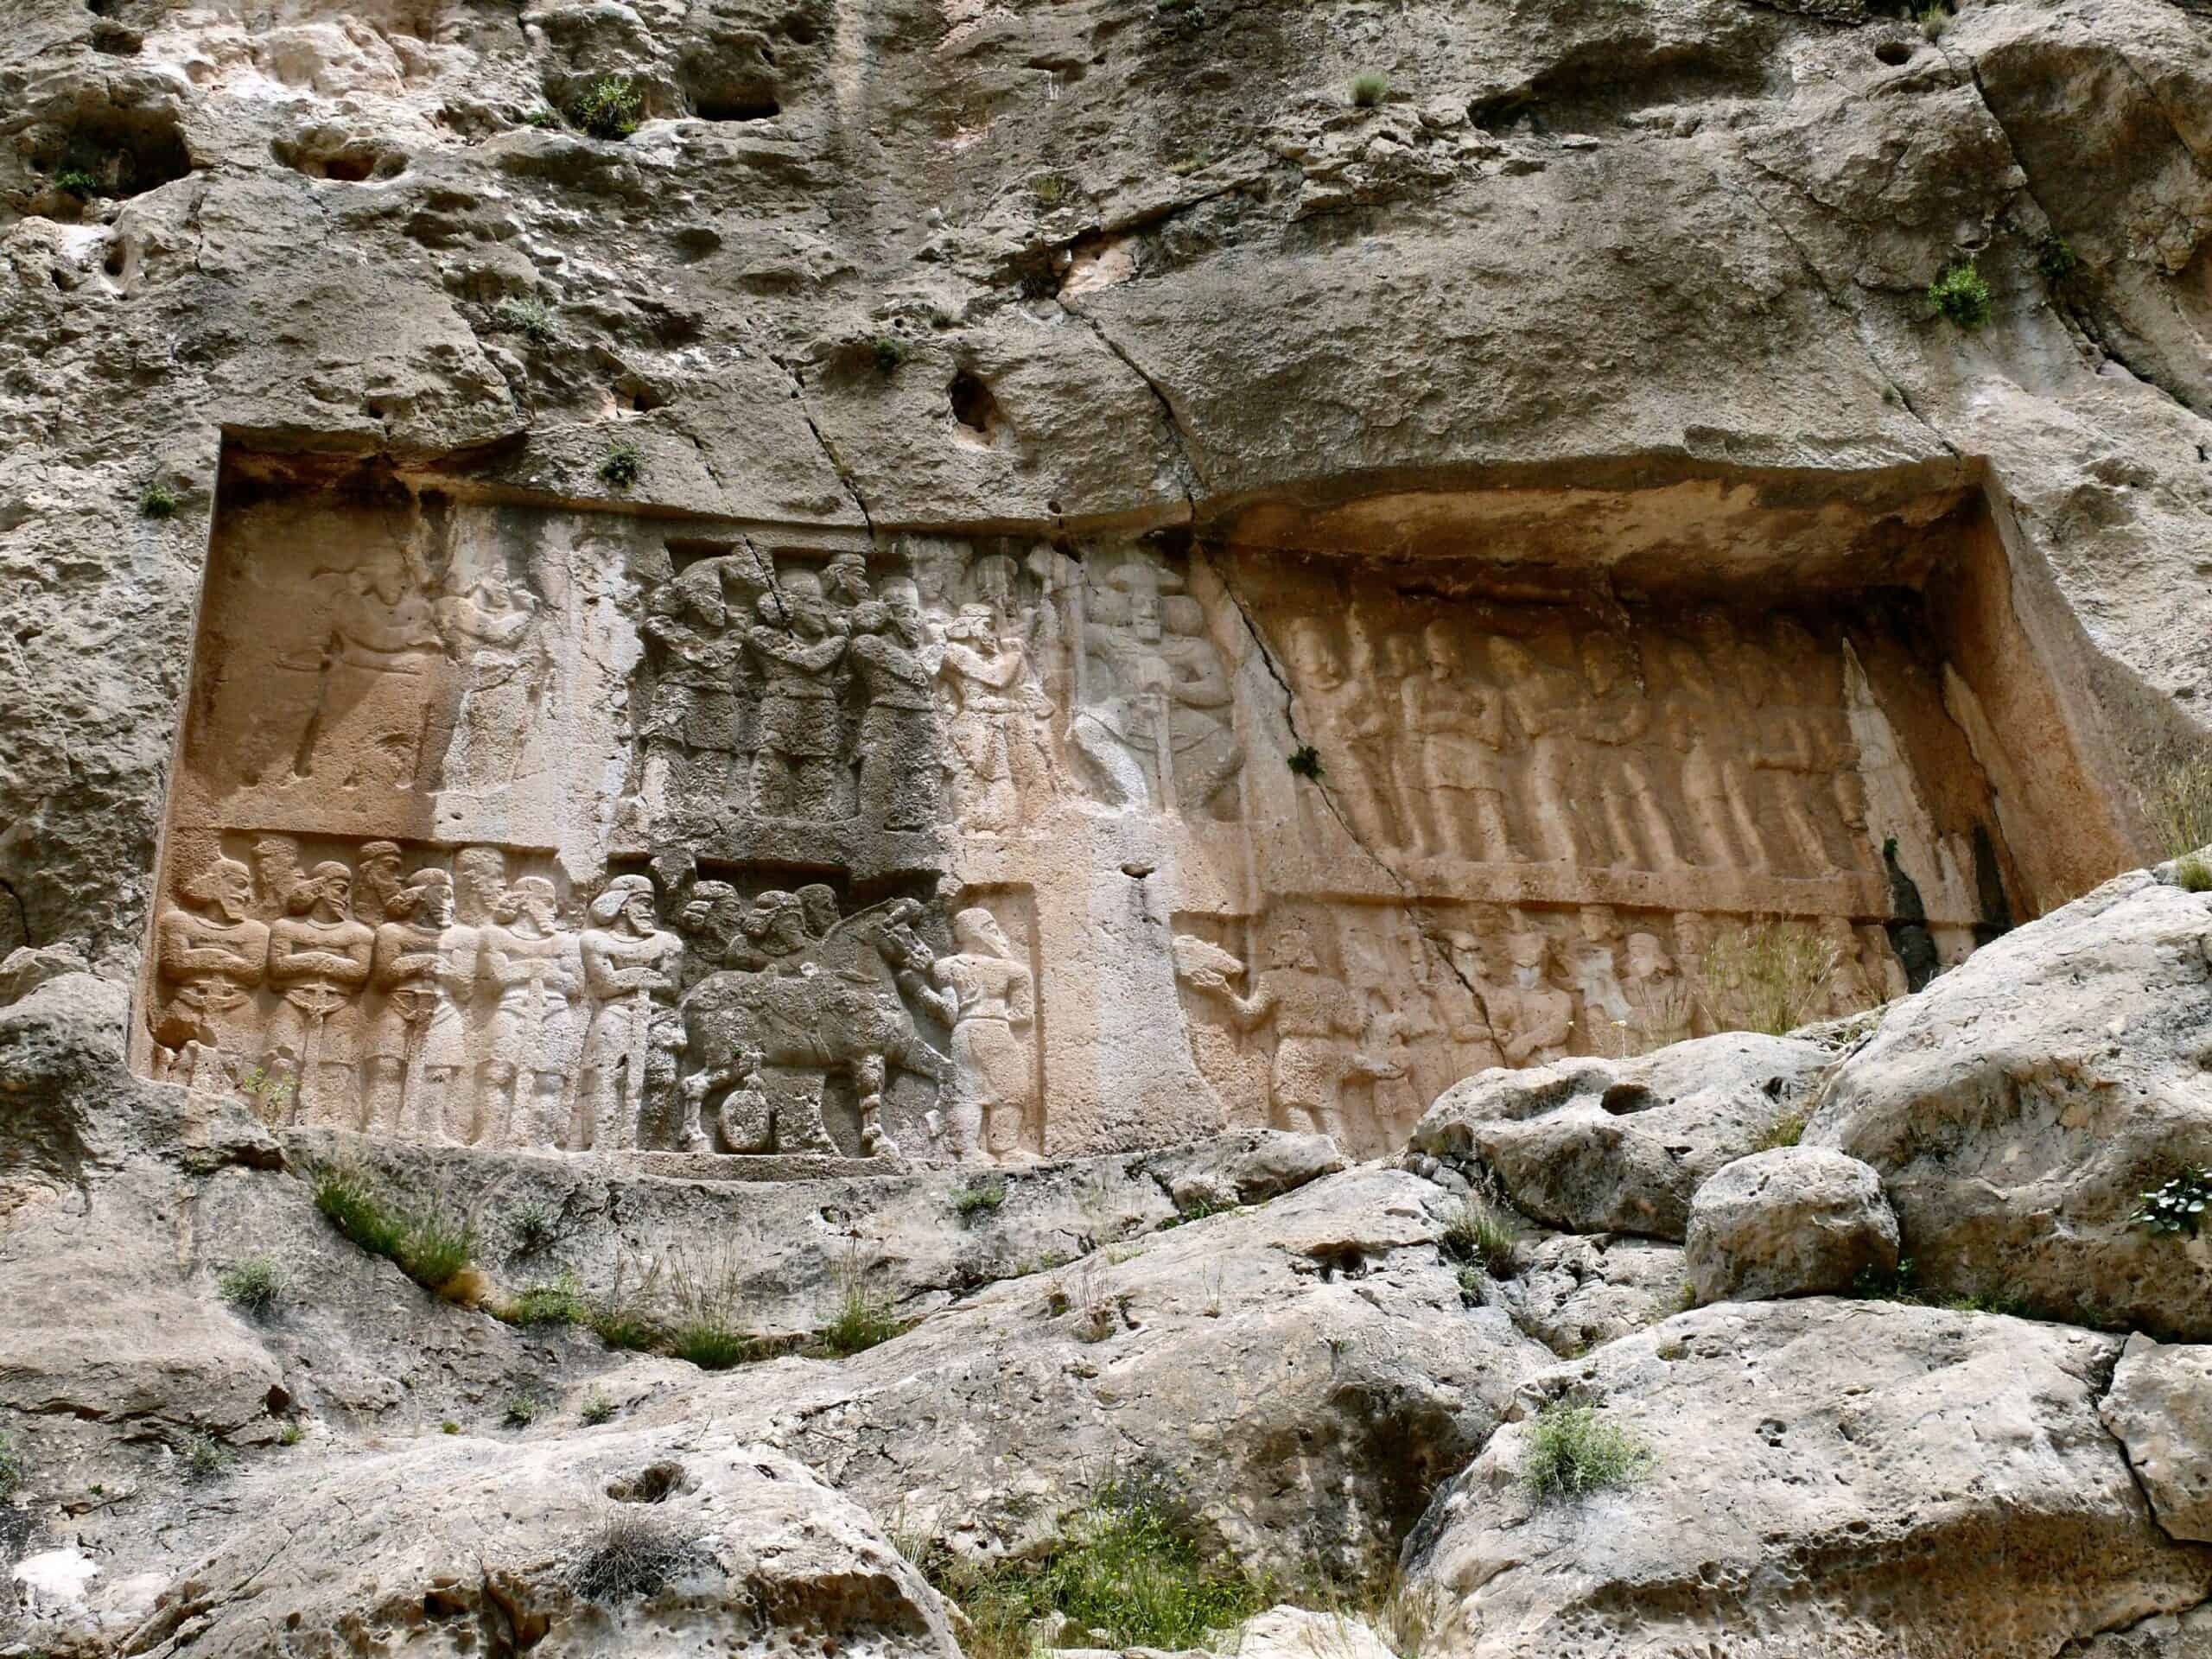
x: 687, y: 619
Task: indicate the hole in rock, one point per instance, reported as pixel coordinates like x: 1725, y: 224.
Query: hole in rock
x: 1893, y: 53
x: 737, y: 108
x: 972, y: 406
x: 125, y: 152
x: 116, y: 40
x: 651, y: 1485
x: 1624, y: 1099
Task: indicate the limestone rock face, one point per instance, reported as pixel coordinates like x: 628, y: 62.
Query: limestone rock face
x: 2160, y: 1406
x: 616, y: 1544
x: 1595, y: 1146
x: 1797, y: 1221
x: 1848, y: 1477
x: 2018, y: 1108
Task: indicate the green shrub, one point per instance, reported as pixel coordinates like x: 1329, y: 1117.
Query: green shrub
x: 623, y: 466
x: 350, y: 1201
x: 254, y: 1286
x: 598, y: 1407
x: 523, y: 1408
x: 543, y: 116
x: 1369, y: 89
x: 982, y: 1199
x: 1049, y: 189
x: 14, y: 1471
x: 1306, y: 761
x: 202, y: 1457
x: 2056, y: 261
x: 434, y: 1248
x: 1575, y: 1450
x: 531, y: 1225
x: 76, y: 182
x: 2193, y: 873
x: 887, y: 352
x: 529, y: 317
x: 449, y: 1427
x: 627, y: 1556
x: 2176, y: 1207
x: 1962, y: 295
x: 608, y: 109
x: 1903, y: 1285
x: 157, y: 500
x: 430, y: 1245
x: 1478, y: 1236
x: 560, y: 1302
x: 1786, y: 1130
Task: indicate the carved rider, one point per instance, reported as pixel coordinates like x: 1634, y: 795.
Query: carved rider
x: 211, y: 954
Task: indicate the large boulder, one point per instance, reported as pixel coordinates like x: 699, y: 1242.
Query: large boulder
x: 1824, y: 1477
x: 1595, y: 1146
x: 1797, y: 1221
x: 2020, y: 1106
x: 661, y: 1541
x: 2161, y: 1407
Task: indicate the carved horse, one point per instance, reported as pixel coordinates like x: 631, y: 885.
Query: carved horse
x: 833, y: 1006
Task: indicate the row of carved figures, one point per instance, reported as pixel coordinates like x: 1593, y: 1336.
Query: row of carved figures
x: 365, y: 1001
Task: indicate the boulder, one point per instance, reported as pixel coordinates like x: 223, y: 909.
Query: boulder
x: 1287, y: 1632
x: 1797, y: 1221
x: 1823, y: 1477
x: 1574, y: 1291
x: 2160, y: 1406
x: 2020, y: 1106
x: 657, y: 1542
x: 1619, y: 1145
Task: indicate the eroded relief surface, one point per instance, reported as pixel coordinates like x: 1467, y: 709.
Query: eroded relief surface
x: 497, y: 825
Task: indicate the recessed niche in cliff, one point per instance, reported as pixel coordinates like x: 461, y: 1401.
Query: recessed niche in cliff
x: 109, y: 150
x: 760, y: 846
x: 328, y: 153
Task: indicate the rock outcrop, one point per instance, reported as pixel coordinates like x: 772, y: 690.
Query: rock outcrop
x: 2160, y: 1406
x: 1798, y: 1221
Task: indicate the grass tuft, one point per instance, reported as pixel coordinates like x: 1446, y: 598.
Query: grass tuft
x: 202, y: 1457
x: 2178, y: 804
x: 864, y: 1319
x: 254, y: 1286
x: 1961, y: 292
x: 1369, y: 90
x: 598, y: 1407
x: 1478, y: 1235
x: 1786, y: 1130
x: 627, y: 1556
x: 157, y: 500
x: 983, y: 1198
x: 531, y: 1225
x: 560, y: 1302
x: 1575, y: 1450
x: 608, y: 109
x: 529, y: 317
x: 1768, y: 974
x: 430, y: 1245
x: 2193, y: 873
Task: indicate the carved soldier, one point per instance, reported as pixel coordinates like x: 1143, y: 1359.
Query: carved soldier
x: 895, y: 666
x: 504, y: 666
x: 995, y: 713
x: 1386, y: 1043
x: 210, y: 954
x: 1314, y: 1015
x: 1693, y: 952
x: 799, y: 771
x: 531, y: 1043
x: 319, y: 960
x: 1613, y: 721
x: 376, y: 671
x: 691, y: 727
x: 1461, y: 996
x: 1543, y: 701
x: 1456, y: 729
x: 1349, y: 712
x: 629, y: 966
x: 1533, y: 1018
x: 987, y: 997
x: 1795, y: 753
x: 1155, y: 718
x: 418, y: 1048
x: 1661, y: 1006
x: 380, y: 887
x: 1201, y: 730
x: 1850, y: 987
x: 1716, y: 788
x: 1604, y: 1010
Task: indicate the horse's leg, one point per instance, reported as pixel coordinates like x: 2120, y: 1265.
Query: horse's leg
x: 868, y: 1071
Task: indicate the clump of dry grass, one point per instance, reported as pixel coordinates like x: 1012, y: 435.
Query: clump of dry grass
x: 1768, y: 975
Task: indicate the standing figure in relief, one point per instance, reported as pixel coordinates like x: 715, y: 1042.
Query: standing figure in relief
x: 1660, y: 1001
x: 1543, y: 703
x: 377, y: 669
x: 1461, y: 997
x: 799, y: 771
x: 418, y: 1048
x: 630, y: 967
x: 1155, y: 718
x: 895, y: 666
x: 1850, y: 987
x: 1693, y: 952
x: 1456, y: 728
x: 380, y: 892
x: 1604, y: 1019
x: 530, y: 1046
x: 690, y: 729
x: 987, y: 998
x: 1533, y: 1018
x: 1200, y: 730
x: 1387, y: 1041
x: 992, y: 711
x: 490, y: 635
x: 1716, y: 788
x: 319, y: 960
x: 1791, y: 753
x: 1348, y: 716
x: 210, y: 954
x: 1613, y: 721
x: 1313, y: 1017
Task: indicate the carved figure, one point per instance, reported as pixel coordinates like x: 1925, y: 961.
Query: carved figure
x: 1386, y: 1044
x: 380, y: 883
x: 479, y: 885
x: 319, y: 960
x: 799, y: 771
x: 210, y: 954
x: 1350, y: 710
x: 1661, y: 1006
x: 375, y: 674
x: 503, y: 668
x: 1456, y: 729
x: 988, y: 998
x: 1543, y: 701
x: 1605, y: 1007
x: 691, y: 730
x: 531, y: 1045
x: 995, y: 712
x: 895, y: 665
x: 1462, y: 997
x: 1792, y: 753
x: 1692, y: 951
x: 1716, y: 785
x: 831, y: 1004
x: 1613, y: 720
x: 1153, y: 720
x: 1532, y: 1017
x: 1850, y: 987
x: 1314, y: 1015
x: 629, y: 966
x: 418, y: 1047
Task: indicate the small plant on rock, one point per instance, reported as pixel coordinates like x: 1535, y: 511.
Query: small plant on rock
x: 2056, y: 261
x: 431, y: 1244
x: 1049, y: 189
x: 531, y: 1225
x: 528, y: 316
x: 1306, y: 761
x: 1785, y: 1131
x: 254, y: 1286
x: 523, y: 1408
x: 291, y: 1435
x: 983, y: 1198
x: 203, y: 1457
x: 1369, y: 90
x: 887, y: 352
x: 1576, y: 1450
x: 2176, y: 1207
x: 621, y: 1318
x: 560, y: 1302
x: 1962, y: 295
x: 1478, y: 1235
x: 623, y: 466
x: 709, y: 1330
x: 598, y: 1407
x: 2193, y: 873
x: 628, y: 1556
x: 543, y: 116
x: 608, y: 108
x: 864, y: 1319
x: 157, y: 500
x: 76, y: 182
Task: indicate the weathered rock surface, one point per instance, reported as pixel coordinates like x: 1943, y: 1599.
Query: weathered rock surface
x: 1844, y: 1477
x: 1574, y: 1291
x: 2020, y: 1106
x: 1798, y: 1221
x: 671, y: 1541
x: 1597, y: 1145
x: 2160, y: 1406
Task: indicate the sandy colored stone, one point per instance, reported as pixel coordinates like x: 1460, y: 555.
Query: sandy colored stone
x: 1797, y: 1221
x: 2160, y: 1406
